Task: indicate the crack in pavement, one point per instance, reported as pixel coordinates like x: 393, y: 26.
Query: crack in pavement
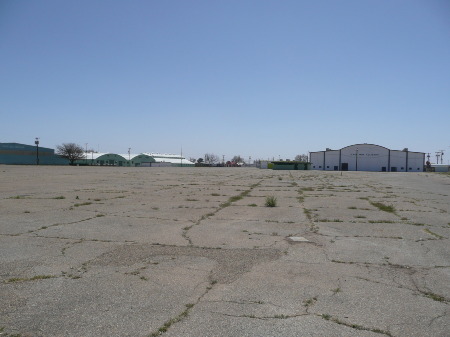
x: 218, y: 209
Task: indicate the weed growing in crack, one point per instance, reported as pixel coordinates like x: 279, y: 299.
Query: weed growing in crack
x: 383, y: 207
x: 83, y: 204
x: 235, y: 198
x: 381, y: 221
x: 355, y: 326
x: 37, y: 277
x: 310, y: 189
x: 281, y: 316
x: 309, y: 301
x: 433, y: 234
x: 434, y: 296
x: 328, y: 220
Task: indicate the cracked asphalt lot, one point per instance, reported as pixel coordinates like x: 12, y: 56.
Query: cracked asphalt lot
x: 108, y: 251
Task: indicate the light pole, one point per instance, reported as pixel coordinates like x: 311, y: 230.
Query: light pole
x: 37, y: 150
x: 356, y: 159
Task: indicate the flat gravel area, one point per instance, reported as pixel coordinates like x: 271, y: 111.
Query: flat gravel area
x: 112, y: 251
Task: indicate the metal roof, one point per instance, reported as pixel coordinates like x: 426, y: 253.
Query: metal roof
x: 159, y: 157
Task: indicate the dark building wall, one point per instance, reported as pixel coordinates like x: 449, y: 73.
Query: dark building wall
x: 22, y: 154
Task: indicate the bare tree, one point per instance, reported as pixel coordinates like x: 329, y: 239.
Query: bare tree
x: 301, y: 157
x: 237, y: 159
x: 70, y: 151
x: 211, y: 158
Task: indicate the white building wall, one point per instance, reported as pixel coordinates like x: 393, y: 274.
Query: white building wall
x: 416, y: 161
x: 398, y: 161
x: 331, y: 160
x: 316, y: 159
x: 367, y: 157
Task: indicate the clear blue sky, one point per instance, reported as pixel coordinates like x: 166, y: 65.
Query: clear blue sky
x: 256, y: 78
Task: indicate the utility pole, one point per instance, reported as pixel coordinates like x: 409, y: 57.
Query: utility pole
x: 437, y: 157
x: 37, y: 150
x: 442, y: 155
x: 356, y: 159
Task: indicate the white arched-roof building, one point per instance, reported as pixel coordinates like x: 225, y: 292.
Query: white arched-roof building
x: 141, y: 159
x: 367, y: 157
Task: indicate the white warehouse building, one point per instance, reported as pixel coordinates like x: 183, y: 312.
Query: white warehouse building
x: 367, y: 157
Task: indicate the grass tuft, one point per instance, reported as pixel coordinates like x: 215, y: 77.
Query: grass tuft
x: 271, y: 201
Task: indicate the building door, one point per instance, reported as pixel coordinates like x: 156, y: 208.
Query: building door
x: 393, y: 169
x: 383, y: 169
x: 344, y: 167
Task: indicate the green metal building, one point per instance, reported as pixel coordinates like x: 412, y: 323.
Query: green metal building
x: 283, y: 165
x: 290, y: 165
